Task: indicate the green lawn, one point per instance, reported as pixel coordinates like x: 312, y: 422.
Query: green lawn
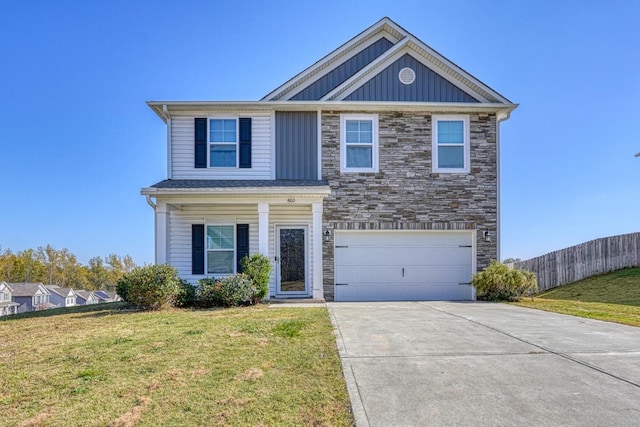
x: 245, y: 366
x: 614, y: 297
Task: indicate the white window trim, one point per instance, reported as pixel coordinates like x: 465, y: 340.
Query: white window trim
x: 235, y: 249
x: 209, y: 143
x: 343, y: 142
x: 434, y: 143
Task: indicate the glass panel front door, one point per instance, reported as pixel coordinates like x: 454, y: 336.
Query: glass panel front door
x: 292, y: 260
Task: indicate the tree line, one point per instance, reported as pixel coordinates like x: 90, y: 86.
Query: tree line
x: 60, y: 267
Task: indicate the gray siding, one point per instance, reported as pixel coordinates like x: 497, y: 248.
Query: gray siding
x: 296, y: 145
x: 338, y: 76
x: 427, y: 87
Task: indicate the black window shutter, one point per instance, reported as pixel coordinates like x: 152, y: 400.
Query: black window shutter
x: 197, y: 248
x: 242, y: 250
x: 245, y: 142
x: 200, y: 148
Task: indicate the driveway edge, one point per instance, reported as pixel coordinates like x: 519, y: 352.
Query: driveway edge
x: 357, y: 407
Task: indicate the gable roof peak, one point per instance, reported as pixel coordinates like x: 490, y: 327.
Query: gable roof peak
x: 385, y: 27
x: 366, y: 55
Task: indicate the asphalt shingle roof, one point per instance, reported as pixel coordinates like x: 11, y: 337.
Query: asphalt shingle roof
x: 238, y: 183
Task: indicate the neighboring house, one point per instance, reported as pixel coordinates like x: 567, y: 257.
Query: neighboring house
x: 86, y: 298
x: 371, y: 175
x: 62, y: 297
x: 31, y: 296
x: 105, y: 296
x: 7, y: 305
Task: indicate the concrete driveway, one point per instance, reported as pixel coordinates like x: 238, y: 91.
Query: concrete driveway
x: 483, y: 364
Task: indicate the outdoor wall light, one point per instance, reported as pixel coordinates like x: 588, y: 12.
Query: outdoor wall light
x: 327, y: 235
x: 487, y: 236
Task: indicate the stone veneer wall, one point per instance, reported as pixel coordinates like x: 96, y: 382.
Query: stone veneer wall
x: 405, y: 194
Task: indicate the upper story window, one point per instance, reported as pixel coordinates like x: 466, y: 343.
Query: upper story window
x: 450, y: 144
x: 223, y: 142
x: 220, y: 249
x: 4, y: 296
x: 359, y: 143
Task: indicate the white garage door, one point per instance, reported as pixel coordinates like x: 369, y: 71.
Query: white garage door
x: 403, y: 265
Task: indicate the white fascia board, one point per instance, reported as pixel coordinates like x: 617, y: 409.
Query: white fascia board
x: 239, y: 192
x: 430, y: 59
x: 327, y: 67
x: 457, y: 71
x: 204, y: 107
x: 384, y: 25
x: 374, y: 67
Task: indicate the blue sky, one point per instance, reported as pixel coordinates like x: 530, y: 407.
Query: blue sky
x: 77, y: 141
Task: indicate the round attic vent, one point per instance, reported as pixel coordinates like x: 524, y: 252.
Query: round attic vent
x: 407, y: 76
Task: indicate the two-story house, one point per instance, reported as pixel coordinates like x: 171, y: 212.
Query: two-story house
x: 371, y: 175
x: 31, y: 296
x: 62, y: 297
x: 7, y: 305
x: 86, y: 297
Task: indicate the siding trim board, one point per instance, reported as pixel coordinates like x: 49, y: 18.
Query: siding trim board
x: 339, y: 74
x: 383, y: 28
x: 428, y: 86
x: 422, y: 56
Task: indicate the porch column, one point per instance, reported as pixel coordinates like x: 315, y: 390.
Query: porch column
x: 316, y: 210
x: 263, y: 228
x: 161, y: 232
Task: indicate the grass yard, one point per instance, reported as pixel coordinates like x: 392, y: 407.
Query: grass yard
x: 246, y: 366
x: 614, y: 297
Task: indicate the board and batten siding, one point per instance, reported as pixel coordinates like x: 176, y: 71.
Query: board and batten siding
x: 296, y: 145
x: 427, y: 87
x: 182, y: 149
x: 179, y: 224
x: 344, y: 71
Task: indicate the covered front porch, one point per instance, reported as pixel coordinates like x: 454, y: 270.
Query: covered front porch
x: 281, y: 220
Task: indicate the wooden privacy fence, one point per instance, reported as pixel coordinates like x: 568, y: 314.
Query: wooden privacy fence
x: 581, y: 261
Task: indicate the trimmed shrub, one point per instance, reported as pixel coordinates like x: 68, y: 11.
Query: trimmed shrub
x: 186, y: 296
x: 258, y: 268
x: 498, y: 282
x: 230, y: 291
x: 151, y: 287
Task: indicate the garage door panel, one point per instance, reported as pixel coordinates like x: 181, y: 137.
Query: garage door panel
x: 418, y: 292
x: 401, y: 255
x: 403, y: 265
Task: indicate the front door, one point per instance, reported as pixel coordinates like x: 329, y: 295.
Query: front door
x: 291, y: 261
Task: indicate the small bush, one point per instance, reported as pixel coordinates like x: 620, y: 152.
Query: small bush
x: 150, y: 287
x: 498, y: 282
x: 230, y: 291
x: 258, y: 268
x: 186, y: 296
x: 206, y: 294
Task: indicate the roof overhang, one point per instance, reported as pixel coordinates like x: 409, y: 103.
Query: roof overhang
x: 165, y: 108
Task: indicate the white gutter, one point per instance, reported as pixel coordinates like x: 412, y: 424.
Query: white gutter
x: 200, y: 107
x: 499, y: 119
x: 167, y: 115
x: 150, y: 203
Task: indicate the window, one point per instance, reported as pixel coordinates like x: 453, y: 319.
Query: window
x: 223, y: 138
x: 220, y: 249
x: 4, y: 296
x: 359, y: 143
x: 450, y: 144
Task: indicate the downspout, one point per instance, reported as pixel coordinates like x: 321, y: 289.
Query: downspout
x: 150, y: 203
x: 500, y: 117
x: 167, y: 116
